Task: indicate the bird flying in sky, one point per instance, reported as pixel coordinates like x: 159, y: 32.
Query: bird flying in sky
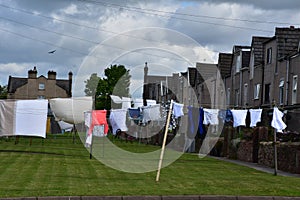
x: 51, y: 51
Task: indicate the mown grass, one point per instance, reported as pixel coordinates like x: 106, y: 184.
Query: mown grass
x: 57, y: 167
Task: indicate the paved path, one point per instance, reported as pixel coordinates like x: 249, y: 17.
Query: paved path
x: 257, y: 167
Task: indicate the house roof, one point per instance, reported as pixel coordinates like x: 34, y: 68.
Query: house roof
x: 257, y: 48
x: 64, y: 84
x: 224, y: 64
x: 205, y: 71
x: 287, y: 40
x: 14, y: 83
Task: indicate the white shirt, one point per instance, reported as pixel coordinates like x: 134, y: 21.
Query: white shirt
x: 277, y: 121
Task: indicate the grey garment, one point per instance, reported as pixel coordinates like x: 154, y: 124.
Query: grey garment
x: 7, y: 121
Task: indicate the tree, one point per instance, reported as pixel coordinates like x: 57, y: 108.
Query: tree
x: 116, y: 82
x: 91, y: 85
x: 3, y: 92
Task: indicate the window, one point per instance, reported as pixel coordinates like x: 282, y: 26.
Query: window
x: 267, y: 93
x: 228, y: 96
x: 281, y: 91
x: 238, y: 63
x: 41, y: 86
x: 269, y: 55
x: 294, y: 89
x: 41, y: 97
x: 237, y: 95
x: 256, y: 91
x: 245, y: 94
x: 252, y: 64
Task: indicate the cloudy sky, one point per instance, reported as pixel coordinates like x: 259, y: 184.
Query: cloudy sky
x: 89, y: 35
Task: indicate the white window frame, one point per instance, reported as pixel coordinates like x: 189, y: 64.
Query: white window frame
x: 269, y: 55
x: 252, y: 59
x: 294, y: 89
x: 245, y: 93
x: 41, y: 86
x: 238, y: 63
x: 281, y: 91
x: 256, y: 91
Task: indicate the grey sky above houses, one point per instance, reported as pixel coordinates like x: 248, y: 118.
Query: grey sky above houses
x: 89, y: 35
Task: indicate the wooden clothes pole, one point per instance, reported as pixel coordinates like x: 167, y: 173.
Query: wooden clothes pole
x: 275, y: 153
x: 164, y: 142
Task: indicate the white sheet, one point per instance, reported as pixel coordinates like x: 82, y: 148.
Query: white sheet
x: 118, y: 120
x: 31, y: 117
x: 138, y: 103
x: 116, y: 99
x: 71, y: 110
x: 126, y: 103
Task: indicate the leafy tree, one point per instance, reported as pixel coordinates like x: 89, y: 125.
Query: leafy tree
x: 91, y: 85
x: 3, y: 92
x: 116, y: 82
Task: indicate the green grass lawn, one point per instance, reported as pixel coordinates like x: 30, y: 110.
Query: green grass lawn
x: 57, y: 167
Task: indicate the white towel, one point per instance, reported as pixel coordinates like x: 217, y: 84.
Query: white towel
x: 118, y: 120
x: 151, y: 113
x: 211, y: 116
x: 177, y: 110
x: 239, y: 117
x: 150, y: 102
x: 255, y: 116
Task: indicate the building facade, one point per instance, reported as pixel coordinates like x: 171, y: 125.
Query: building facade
x: 39, y: 87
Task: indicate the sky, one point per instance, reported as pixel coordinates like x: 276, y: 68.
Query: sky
x: 91, y: 35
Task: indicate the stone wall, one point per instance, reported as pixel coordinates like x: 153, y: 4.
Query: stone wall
x: 288, y: 154
x: 245, y: 151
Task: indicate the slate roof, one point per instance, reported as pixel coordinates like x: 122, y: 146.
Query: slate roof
x: 14, y: 83
x: 287, y: 40
x: 224, y: 64
x: 64, y: 84
x: 257, y: 46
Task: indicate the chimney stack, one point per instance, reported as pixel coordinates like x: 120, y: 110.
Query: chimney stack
x: 51, y: 75
x: 32, y: 73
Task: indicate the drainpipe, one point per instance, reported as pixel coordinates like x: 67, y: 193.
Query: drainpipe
x: 287, y: 81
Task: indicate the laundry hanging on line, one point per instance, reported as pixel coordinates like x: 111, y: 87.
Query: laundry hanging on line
x: 239, y: 117
x: 16, y: 117
x: 151, y: 113
x: 277, y: 121
x: 117, y: 120
x: 211, y: 116
x: 70, y: 110
x: 177, y: 110
x: 255, y: 116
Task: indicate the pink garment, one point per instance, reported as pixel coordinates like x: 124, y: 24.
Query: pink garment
x: 98, y: 118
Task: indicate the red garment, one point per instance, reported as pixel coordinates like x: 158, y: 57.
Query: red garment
x: 98, y: 118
